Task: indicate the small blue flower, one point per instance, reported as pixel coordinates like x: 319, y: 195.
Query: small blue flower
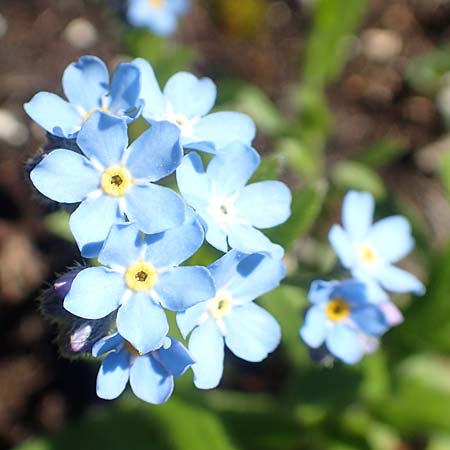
x: 230, y: 210
x: 151, y: 374
x: 186, y: 101
x: 343, y: 318
x: 86, y: 86
x: 160, y: 16
x: 114, y: 182
x: 141, y: 279
x: 370, y: 250
x: 230, y: 315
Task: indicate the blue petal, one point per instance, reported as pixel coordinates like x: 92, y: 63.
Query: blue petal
x: 156, y: 153
x: 225, y: 269
x: 86, y: 82
x: 125, y: 88
x: 391, y: 237
x: 214, y: 234
x: 232, y: 168
x: 344, y: 343
x: 172, y: 247
x: 107, y: 344
x: 207, y: 348
x: 95, y: 293
x: 314, y: 328
x: 54, y: 114
x: 357, y: 214
x: 65, y: 176
x: 251, y: 332
x: 187, y: 320
x: 179, y: 6
x: 320, y: 291
x: 189, y: 95
x: 374, y: 292
x: 351, y: 290
x: 113, y: 375
x: 222, y: 128
x: 397, y: 280
x: 150, y: 381
x: 391, y: 313
x: 142, y: 322
x: 154, y: 208
x: 176, y: 359
x: 193, y: 183
x: 91, y: 221
x: 183, y: 287
x: 103, y: 138
x: 150, y: 90
x: 370, y: 319
x: 163, y: 23
x: 122, y: 246
x: 342, y: 245
x: 265, y: 204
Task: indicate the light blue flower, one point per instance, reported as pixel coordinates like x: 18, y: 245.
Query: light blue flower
x: 230, y: 210
x: 113, y: 182
x: 370, y: 250
x: 186, y: 101
x: 141, y: 279
x: 86, y: 86
x: 160, y: 16
x: 151, y: 374
x: 230, y: 315
x: 343, y: 318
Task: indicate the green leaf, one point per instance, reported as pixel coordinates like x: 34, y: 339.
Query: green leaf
x: 382, y: 153
x: 445, y: 172
x: 58, y: 224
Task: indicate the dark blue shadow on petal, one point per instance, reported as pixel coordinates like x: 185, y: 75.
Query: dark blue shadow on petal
x: 249, y: 264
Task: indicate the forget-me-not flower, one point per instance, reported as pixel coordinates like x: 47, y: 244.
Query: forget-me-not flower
x: 186, y: 101
x: 151, y: 374
x: 86, y: 86
x: 343, y: 318
x: 230, y: 315
x: 160, y: 16
x: 370, y: 250
x: 113, y: 182
x: 143, y: 277
x: 231, y: 211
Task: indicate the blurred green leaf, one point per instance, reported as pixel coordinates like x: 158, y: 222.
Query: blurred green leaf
x: 439, y: 442
x: 382, y: 153
x: 58, y: 224
x: 269, y: 169
x: 445, y: 172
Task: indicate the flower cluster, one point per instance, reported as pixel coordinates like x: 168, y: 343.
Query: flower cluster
x: 348, y: 317
x: 141, y: 233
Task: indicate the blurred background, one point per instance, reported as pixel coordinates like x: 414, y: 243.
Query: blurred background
x: 345, y: 94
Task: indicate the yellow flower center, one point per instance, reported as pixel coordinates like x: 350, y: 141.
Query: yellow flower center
x: 116, y: 181
x: 219, y: 306
x: 157, y: 4
x: 92, y: 111
x: 141, y: 276
x: 131, y: 349
x: 367, y: 254
x: 337, y: 309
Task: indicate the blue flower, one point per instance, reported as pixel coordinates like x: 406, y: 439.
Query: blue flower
x: 343, y: 318
x: 230, y: 210
x: 186, y: 101
x: 229, y: 315
x: 370, y: 250
x: 114, y: 182
x: 141, y: 279
x: 86, y: 86
x: 160, y: 16
x: 151, y: 374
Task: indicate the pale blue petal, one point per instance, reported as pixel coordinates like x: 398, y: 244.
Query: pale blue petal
x: 86, y: 82
x: 214, y: 234
x: 374, y: 292
x: 232, y: 167
x: 176, y: 359
x: 320, y: 291
x: 187, y: 320
x: 183, y: 287
x: 179, y: 6
x: 342, y: 245
x: 207, y: 348
x: 106, y: 344
x: 95, y: 293
x: 65, y: 176
x: 265, y: 204
x: 103, y: 138
x: 154, y: 208
x: 150, y: 381
x: 357, y: 214
x: 156, y: 153
x: 125, y: 88
x: 225, y: 269
x: 314, y: 328
x: 369, y: 319
x: 142, y: 322
x: 351, y: 290
x: 54, y: 114
x: 251, y: 332
x: 391, y: 238
x: 344, y: 343
x: 397, y: 280
x: 113, y: 375
x: 189, y: 95
x: 391, y: 313
x: 91, y: 221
